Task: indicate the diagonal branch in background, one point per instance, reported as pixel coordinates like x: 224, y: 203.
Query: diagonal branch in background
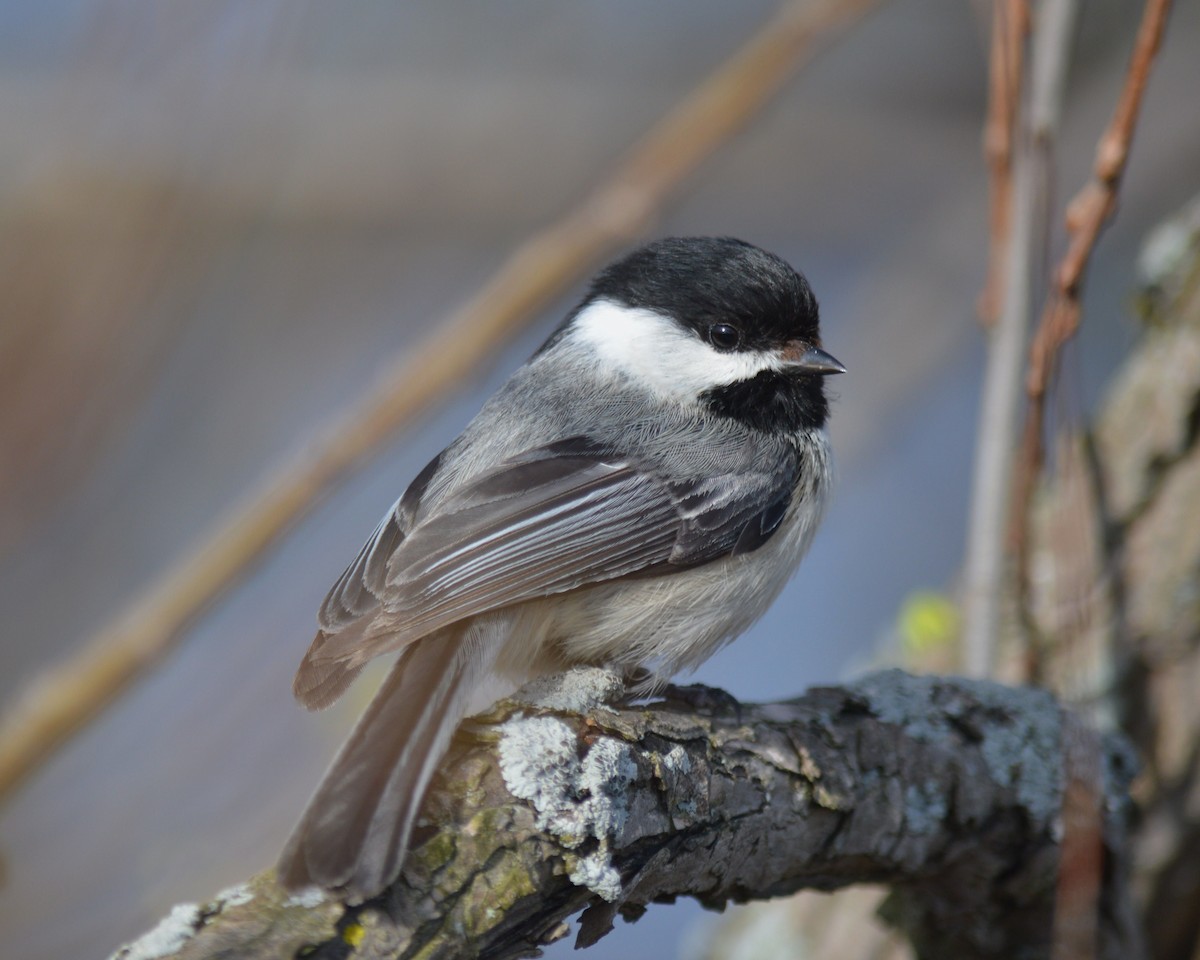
x: 65, y: 698
x: 947, y: 790
x: 1087, y: 214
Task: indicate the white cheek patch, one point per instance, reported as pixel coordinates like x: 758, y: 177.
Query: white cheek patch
x: 658, y: 353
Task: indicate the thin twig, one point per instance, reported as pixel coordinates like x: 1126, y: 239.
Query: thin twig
x: 1026, y: 244
x: 1087, y: 214
x: 1010, y: 27
x: 1081, y: 861
x: 1048, y: 88
x: 66, y: 697
x: 1051, y: 58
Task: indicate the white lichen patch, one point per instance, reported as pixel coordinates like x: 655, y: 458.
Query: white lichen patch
x: 308, y: 898
x: 575, y: 799
x: 1169, y: 245
x: 608, y: 770
x: 579, y: 690
x: 235, y: 896
x: 596, y: 873
x: 1022, y: 729
x: 172, y: 932
x: 677, y: 760
x: 539, y: 763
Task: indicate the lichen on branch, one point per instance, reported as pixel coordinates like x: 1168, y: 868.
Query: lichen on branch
x: 947, y: 790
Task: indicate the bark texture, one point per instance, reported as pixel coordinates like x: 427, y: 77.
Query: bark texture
x: 949, y: 791
x: 1117, y: 556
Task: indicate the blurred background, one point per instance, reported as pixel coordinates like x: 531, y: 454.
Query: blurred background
x: 218, y: 221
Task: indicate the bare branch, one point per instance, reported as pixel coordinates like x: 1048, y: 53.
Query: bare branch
x: 68, y: 696
x: 1010, y: 26
x: 984, y: 568
x: 1087, y: 214
x: 1077, y: 899
x: 950, y: 791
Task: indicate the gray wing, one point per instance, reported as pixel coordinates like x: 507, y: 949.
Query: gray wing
x: 554, y: 519
x: 361, y: 584
x: 349, y: 608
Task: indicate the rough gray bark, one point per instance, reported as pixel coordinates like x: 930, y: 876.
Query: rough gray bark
x: 947, y: 790
x: 1117, y: 550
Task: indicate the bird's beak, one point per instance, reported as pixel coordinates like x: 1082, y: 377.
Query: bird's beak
x: 809, y: 359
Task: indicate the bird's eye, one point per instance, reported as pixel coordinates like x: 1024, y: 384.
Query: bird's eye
x: 724, y: 336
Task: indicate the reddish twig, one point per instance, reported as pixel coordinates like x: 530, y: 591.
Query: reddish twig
x: 1081, y: 861
x: 1010, y: 27
x: 1087, y: 214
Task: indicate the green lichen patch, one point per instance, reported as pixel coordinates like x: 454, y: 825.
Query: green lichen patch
x: 492, y: 892
x: 435, y: 854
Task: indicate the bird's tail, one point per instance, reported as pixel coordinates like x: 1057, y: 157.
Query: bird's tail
x: 354, y: 833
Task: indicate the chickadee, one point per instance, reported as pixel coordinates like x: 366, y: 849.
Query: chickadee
x: 635, y: 496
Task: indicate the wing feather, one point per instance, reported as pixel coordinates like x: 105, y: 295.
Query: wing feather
x: 357, y: 589
x: 598, y: 522
x: 356, y: 592
x: 555, y: 519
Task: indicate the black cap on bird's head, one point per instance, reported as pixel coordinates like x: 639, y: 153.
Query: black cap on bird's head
x: 706, y: 281
x: 738, y: 299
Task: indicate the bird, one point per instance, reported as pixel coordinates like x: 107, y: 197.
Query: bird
x: 634, y: 496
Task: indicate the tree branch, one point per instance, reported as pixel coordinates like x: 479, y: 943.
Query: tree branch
x: 1025, y: 180
x: 1010, y: 27
x: 1087, y: 215
x: 948, y: 790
